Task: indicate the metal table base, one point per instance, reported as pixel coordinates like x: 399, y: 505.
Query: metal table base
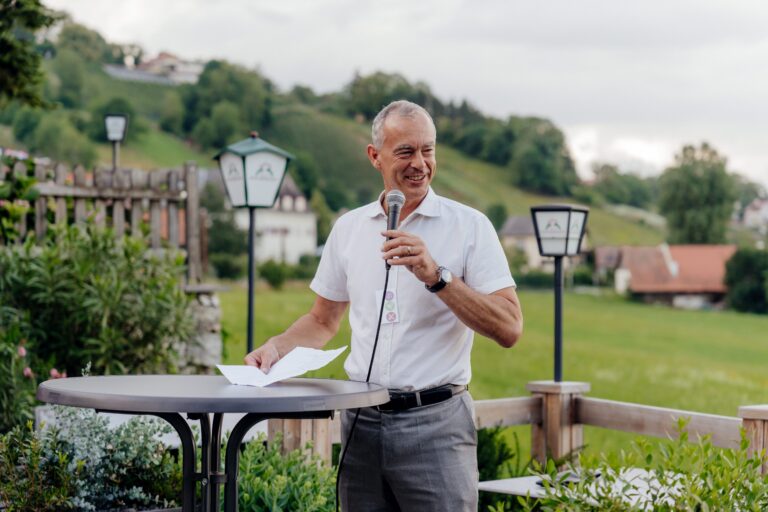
x: 210, y: 476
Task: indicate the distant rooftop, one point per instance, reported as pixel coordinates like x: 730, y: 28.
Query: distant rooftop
x: 518, y: 225
x: 677, y: 268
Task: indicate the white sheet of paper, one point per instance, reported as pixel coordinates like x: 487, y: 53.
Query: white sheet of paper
x: 297, y: 362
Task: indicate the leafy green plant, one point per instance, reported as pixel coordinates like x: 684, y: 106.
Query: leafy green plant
x: 16, y: 195
x: 270, y: 481
x: 17, y: 380
x: 32, y: 477
x: 228, y: 266
x: 306, y: 267
x: 678, y: 476
x: 534, y: 279
x: 91, y: 297
x: 126, y: 466
x: 274, y: 273
x: 496, y: 459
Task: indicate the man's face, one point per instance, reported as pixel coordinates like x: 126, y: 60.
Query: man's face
x: 406, y: 158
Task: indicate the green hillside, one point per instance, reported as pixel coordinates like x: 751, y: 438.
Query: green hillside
x: 146, y: 98
x: 155, y: 149
x: 338, y: 146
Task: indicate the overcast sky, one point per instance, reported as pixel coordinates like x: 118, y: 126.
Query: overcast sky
x: 629, y: 82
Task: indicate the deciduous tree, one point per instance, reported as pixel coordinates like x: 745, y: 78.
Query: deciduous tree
x: 696, y: 196
x: 746, y: 276
x: 21, y: 77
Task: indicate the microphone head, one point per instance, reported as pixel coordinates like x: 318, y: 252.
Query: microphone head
x: 395, y: 198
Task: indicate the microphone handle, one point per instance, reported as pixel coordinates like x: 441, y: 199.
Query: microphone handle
x: 392, y: 219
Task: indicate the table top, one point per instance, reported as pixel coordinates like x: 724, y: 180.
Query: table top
x: 208, y: 394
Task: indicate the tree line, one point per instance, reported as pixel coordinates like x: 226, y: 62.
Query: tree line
x: 696, y: 193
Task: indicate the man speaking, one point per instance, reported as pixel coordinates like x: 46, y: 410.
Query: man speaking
x: 448, y: 278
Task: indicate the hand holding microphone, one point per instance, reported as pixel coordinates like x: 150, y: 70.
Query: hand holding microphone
x: 402, y: 248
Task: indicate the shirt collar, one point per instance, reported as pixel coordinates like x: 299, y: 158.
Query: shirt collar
x: 429, y: 207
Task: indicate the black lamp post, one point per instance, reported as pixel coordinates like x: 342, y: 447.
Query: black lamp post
x: 253, y: 172
x: 559, y: 232
x: 116, y: 126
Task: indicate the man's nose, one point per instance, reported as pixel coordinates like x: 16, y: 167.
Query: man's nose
x: 417, y: 162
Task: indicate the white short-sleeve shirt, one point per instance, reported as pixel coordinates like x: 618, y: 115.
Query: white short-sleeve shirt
x: 428, y: 345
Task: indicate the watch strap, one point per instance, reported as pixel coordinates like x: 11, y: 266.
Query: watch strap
x: 440, y: 284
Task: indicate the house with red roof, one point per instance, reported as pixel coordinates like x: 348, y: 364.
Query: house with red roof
x: 686, y: 276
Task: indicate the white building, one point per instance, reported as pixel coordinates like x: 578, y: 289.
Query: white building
x: 286, y: 231
x: 177, y: 70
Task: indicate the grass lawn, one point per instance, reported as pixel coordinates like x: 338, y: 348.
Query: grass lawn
x: 703, y: 361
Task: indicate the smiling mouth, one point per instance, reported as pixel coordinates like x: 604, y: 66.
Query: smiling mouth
x: 416, y: 178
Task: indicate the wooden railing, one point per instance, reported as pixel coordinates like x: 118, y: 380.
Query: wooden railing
x: 657, y: 421
x: 166, y: 200
x: 557, y: 413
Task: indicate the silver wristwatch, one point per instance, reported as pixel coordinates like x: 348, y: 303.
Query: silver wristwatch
x: 444, y: 277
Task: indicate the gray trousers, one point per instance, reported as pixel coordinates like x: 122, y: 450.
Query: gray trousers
x: 419, y: 460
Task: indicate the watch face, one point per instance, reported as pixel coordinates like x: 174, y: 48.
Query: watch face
x: 446, y: 275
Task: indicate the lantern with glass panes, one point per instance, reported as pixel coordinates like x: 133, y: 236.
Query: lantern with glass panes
x: 116, y: 126
x: 559, y: 232
x: 253, y: 171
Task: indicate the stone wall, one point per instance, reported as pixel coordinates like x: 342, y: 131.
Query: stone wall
x: 201, y: 355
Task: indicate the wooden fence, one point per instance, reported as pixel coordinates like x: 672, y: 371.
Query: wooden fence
x: 165, y: 202
x: 557, y: 413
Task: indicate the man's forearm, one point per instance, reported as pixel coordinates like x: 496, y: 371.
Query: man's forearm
x: 305, y: 332
x: 313, y: 329
x: 497, y: 316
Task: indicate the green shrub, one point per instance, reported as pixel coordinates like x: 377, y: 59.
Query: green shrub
x: 582, y: 276
x: 57, y: 138
x: 122, y: 467
x: 306, y: 267
x: 684, y: 476
x: 228, y: 266
x: 270, y: 481
x: 496, y: 459
x: 535, y: 279
x: 92, y: 298
x: 274, y: 273
x: 33, y: 478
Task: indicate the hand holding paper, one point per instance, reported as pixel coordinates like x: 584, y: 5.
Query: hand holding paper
x: 297, y: 362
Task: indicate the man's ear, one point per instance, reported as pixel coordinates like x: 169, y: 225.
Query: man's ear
x: 373, y: 156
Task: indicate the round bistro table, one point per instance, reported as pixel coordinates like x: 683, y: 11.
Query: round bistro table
x: 199, y: 397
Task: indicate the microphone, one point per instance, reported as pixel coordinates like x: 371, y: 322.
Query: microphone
x: 395, y: 201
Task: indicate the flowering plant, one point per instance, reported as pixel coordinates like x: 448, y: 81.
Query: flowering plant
x: 17, y: 380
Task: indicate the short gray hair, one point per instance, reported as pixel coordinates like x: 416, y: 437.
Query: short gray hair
x: 403, y: 108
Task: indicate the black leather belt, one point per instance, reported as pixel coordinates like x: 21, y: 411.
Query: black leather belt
x: 399, y: 401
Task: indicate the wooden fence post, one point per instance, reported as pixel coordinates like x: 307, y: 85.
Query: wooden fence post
x: 754, y: 419
x: 41, y: 205
x: 102, y: 179
x: 122, y: 181
x: 59, y: 178
x: 192, y: 212
x: 81, y: 180
x: 298, y: 432
x: 558, y: 435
